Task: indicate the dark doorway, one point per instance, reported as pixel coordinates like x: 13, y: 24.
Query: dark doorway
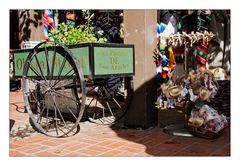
x: 14, y: 30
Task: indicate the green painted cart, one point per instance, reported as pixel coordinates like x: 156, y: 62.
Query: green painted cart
x: 63, y: 84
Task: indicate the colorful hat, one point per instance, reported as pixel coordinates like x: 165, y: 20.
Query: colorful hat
x: 174, y: 91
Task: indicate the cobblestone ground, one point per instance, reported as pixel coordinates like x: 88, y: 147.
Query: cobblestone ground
x: 104, y: 140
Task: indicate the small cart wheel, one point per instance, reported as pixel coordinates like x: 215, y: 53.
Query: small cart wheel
x: 107, y: 100
x: 53, y: 89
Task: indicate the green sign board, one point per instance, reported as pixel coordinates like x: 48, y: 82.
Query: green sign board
x: 95, y: 59
x: 81, y: 54
x: 113, y: 60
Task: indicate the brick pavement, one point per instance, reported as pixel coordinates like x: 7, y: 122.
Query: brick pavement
x: 103, y: 140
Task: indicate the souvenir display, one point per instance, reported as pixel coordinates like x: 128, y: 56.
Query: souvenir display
x: 198, y: 91
x: 198, y: 88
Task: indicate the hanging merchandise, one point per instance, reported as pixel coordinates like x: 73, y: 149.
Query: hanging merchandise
x: 164, y: 56
x: 197, y: 21
x: 165, y: 62
x: 162, y: 63
x: 201, y: 56
x: 203, y: 22
x: 48, y: 16
x: 172, y: 62
x: 195, y: 90
x: 160, y: 28
x: 169, y: 39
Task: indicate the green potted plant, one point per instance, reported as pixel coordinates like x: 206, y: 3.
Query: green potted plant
x: 70, y: 35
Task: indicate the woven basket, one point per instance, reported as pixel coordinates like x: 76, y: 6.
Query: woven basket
x: 204, y: 133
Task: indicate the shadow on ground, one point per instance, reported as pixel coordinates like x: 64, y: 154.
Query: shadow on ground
x: 155, y: 142
x: 158, y: 143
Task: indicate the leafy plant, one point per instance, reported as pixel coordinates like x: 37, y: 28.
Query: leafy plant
x: 75, y: 35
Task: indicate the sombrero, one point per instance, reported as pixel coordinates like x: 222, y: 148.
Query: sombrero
x: 204, y: 94
x: 174, y: 91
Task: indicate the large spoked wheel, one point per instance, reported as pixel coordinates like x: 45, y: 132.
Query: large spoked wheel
x: 107, y: 100
x: 53, y: 89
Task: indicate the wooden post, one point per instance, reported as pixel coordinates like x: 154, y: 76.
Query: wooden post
x: 140, y: 30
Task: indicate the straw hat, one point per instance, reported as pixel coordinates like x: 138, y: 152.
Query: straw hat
x: 204, y: 94
x: 174, y: 91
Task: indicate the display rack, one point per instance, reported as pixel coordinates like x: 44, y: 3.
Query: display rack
x: 188, y: 40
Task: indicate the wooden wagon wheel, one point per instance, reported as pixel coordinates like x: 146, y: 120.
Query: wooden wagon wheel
x: 53, y: 89
x: 107, y: 100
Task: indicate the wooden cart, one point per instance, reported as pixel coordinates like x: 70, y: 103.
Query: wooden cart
x: 62, y: 83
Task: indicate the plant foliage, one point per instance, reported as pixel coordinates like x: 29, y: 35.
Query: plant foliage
x: 74, y: 35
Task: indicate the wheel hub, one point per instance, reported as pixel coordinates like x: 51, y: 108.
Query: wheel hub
x: 48, y: 88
